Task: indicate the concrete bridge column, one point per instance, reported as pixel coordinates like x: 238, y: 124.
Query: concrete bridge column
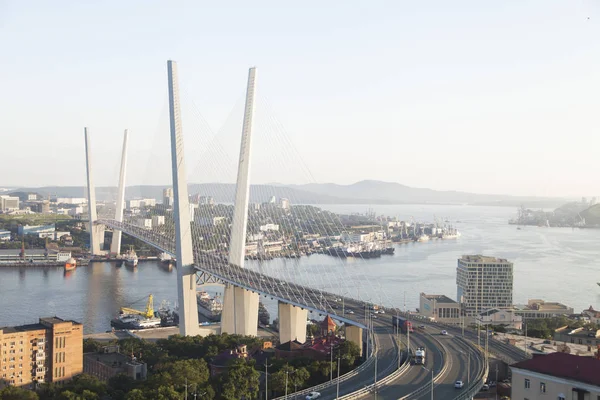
x: 355, y: 335
x: 240, y: 311
x: 292, y: 323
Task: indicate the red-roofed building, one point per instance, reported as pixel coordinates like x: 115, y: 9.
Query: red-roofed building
x: 328, y: 326
x: 558, y: 376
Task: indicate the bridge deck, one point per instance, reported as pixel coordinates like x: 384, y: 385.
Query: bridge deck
x: 314, y: 300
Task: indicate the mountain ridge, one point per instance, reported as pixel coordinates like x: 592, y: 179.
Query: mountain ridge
x: 362, y: 192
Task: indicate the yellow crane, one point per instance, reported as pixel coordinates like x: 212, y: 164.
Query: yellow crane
x: 148, y: 313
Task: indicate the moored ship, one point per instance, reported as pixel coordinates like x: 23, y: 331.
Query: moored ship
x: 165, y: 258
x: 210, y: 307
x: 71, y: 264
x: 131, y: 258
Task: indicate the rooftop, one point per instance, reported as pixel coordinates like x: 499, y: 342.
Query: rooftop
x: 439, y: 298
x: 480, y: 259
x: 43, y: 324
x: 579, y: 332
x: 563, y: 365
x: 112, y: 359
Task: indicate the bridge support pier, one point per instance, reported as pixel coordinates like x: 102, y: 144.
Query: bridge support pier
x: 240, y: 311
x: 354, y: 334
x: 292, y: 323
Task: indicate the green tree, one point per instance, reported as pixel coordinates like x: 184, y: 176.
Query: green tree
x: 122, y: 383
x: 168, y: 393
x: 15, y: 393
x: 178, y: 373
x: 240, y: 381
x: 135, y: 394
x: 68, y: 395
x: 296, y: 378
x: 84, y: 382
x: 91, y: 346
x: 349, y: 352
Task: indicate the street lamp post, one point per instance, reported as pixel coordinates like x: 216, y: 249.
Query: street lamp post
x: 267, y: 365
x: 337, y: 391
x: 286, y: 380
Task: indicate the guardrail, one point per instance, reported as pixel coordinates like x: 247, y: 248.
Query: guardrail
x: 440, y: 375
x: 478, y: 383
x: 384, y: 381
x: 368, y: 362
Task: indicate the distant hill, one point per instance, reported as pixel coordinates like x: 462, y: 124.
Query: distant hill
x: 363, y: 192
x: 591, y: 215
x: 221, y: 192
x: 389, y: 192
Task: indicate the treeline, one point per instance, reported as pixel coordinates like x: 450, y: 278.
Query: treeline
x: 181, y: 364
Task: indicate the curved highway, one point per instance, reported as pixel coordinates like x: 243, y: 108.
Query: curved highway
x: 411, y: 382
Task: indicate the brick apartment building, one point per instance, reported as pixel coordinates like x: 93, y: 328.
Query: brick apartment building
x: 49, y: 351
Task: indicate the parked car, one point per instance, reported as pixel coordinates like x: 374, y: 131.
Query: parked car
x: 485, y: 388
x: 421, y: 326
x: 381, y: 311
x: 313, y: 395
x: 444, y: 333
x: 458, y: 384
x: 349, y: 311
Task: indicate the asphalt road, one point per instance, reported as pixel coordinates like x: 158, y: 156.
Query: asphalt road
x: 325, y: 303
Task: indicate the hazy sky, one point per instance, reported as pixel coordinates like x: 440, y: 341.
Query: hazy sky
x: 482, y: 96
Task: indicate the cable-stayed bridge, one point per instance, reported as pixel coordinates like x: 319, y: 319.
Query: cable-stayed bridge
x: 214, y: 252
x: 210, y: 241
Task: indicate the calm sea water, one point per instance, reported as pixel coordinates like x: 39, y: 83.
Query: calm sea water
x: 555, y: 264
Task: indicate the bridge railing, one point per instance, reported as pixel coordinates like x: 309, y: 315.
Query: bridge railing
x: 350, y: 374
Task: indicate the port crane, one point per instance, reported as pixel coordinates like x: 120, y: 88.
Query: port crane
x: 147, y: 313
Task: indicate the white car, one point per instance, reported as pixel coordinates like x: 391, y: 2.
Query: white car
x: 381, y: 311
x: 444, y: 333
x: 458, y: 384
x: 313, y: 395
x: 349, y: 311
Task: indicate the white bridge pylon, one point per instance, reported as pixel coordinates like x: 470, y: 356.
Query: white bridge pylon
x: 242, y: 286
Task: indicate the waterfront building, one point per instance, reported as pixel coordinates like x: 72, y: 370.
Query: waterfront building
x: 269, y: 227
x: 49, y: 351
x: 158, y: 220
x: 440, y: 308
x: 210, y: 221
x: 145, y: 223
x: 206, y: 200
x: 593, y: 315
x: 35, y: 229
x: 168, y: 197
x: 484, y: 283
x: 558, y: 376
x: 140, y: 203
x: 71, y: 200
x: 537, y: 308
x: 9, y: 203
x: 583, y: 335
x: 109, y: 362
x: 500, y: 317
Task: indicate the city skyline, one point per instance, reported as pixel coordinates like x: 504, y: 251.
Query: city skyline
x: 406, y: 89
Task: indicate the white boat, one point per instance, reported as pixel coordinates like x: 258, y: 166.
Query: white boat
x: 143, y: 323
x: 208, y: 306
x: 423, y: 238
x: 131, y: 258
x: 165, y: 258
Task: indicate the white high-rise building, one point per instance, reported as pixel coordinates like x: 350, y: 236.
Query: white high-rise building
x: 168, y: 197
x: 484, y: 283
x: 9, y: 203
